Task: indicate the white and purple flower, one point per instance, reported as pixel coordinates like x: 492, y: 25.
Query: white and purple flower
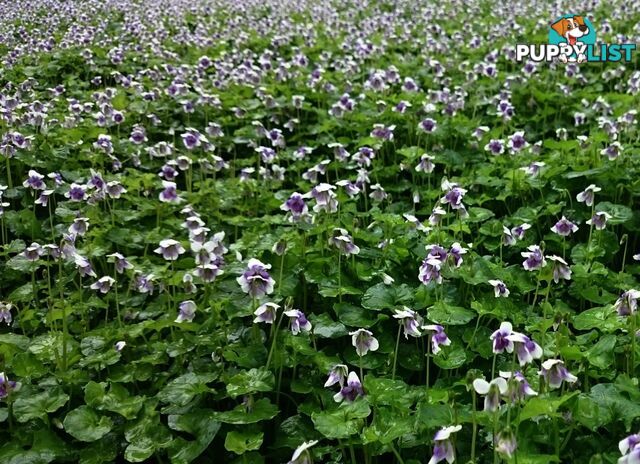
x: 554, y: 372
x: 443, y: 448
x: 363, y: 341
x: 256, y: 280
x: 410, y: 321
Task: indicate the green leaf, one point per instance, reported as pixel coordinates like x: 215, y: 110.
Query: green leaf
x: 601, y: 354
x: 116, y: 400
x: 36, y: 406
x: 341, y: 422
x: 146, y: 435
x: 477, y: 214
x: 38, y: 447
x: 445, y: 314
x: 183, y: 389
x: 591, y: 414
x: 387, y: 426
x: 202, y: 425
x: 602, y: 318
x: 619, y: 213
x: 325, y: 327
x: 382, y: 296
x: 261, y: 410
x: 381, y: 391
x: 252, y: 381
x: 543, y: 406
x: 85, y: 424
x: 451, y: 357
x: 354, y: 316
x: 104, y: 450
x: 616, y: 403
x: 17, y: 340
x: 241, y: 442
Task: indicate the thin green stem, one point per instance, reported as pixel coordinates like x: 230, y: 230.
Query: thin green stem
x: 396, y: 453
x: 475, y: 426
x: 493, y: 366
x: 428, y: 364
x: 273, y: 340
x: 495, y: 437
x: 395, y: 353
x: 339, y: 277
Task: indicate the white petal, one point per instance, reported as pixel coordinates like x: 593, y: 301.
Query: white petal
x: 481, y: 386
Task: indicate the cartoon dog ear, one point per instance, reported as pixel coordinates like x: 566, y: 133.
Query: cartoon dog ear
x: 560, y: 27
x: 579, y: 20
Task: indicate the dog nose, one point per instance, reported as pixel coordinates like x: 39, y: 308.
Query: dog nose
x: 583, y: 28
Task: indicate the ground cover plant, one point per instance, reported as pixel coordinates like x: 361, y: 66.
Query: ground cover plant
x: 331, y: 232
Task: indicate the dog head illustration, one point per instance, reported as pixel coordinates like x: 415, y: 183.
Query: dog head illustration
x: 571, y: 29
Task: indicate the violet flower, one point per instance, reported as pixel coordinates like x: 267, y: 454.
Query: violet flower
x: 430, y: 271
x: 456, y: 252
x: 495, y: 147
x: 612, y: 151
x: 519, y: 388
x: 144, y: 283
x: 526, y: 349
x: 492, y: 391
x: 256, y: 280
x: 76, y: 192
x: 7, y: 386
x: 436, y: 215
x: 453, y: 196
x: 208, y: 272
x: 298, y: 321
x: 443, y: 448
x: 535, y: 259
x: 296, y: 206
x: 501, y: 339
x: 438, y: 337
x: 5, y: 313
x: 599, y: 219
x: 425, y: 164
x: 103, y: 285
x: 301, y: 454
x: 428, y: 125
x: 343, y: 242
x: 325, y: 198
x: 507, y: 237
x: 410, y: 321
x: 170, y: 249
x: 169, y: 193
x: 519, y: 231
x: 506, y: 443
x: 266, y: 312
x: 555, y: 373
x: 33, y: 252
x: 79, y: 226
x: 517, y: 142
x: 588, y: 194
x: 337, y: 374
x: 564, y: 227
x: 627, y: 303
x: 121, y: 263
x: 351, y: 390
x: 499, y: 288
x: 34, y: 181
x: 364, y: 341
x: 629, y: 449
x: 561, y: 269
x: 187, y: 311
